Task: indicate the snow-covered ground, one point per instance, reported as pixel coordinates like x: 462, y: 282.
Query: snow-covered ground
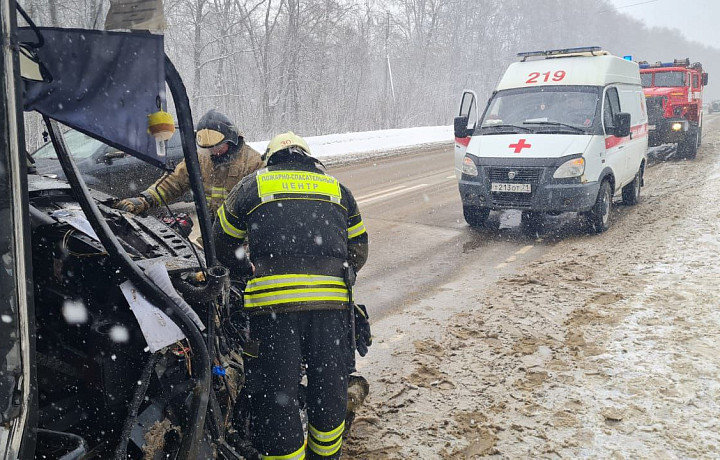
x: 339, y: 147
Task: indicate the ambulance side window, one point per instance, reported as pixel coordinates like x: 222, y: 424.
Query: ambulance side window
x: 610, y: 107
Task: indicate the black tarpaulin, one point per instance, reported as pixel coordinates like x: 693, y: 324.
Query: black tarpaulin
x: 104, y: 84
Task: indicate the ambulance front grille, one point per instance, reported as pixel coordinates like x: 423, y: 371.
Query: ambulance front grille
x: 519, y: 175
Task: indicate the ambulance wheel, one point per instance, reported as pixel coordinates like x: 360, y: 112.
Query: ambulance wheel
x: 631, y: 192
x: 532, y: 221
x: 687, y: 148
x: 475, y: 216
x: 599, y: 216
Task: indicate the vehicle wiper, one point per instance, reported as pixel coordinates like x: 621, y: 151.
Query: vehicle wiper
x: 507, y: 126
x: 554, y: 123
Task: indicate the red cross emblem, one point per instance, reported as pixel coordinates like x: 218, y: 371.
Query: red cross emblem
x: 519, y: 146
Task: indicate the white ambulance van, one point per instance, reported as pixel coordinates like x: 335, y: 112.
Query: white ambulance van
x: 564, y: 131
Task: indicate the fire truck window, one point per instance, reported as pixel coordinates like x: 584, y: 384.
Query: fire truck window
x: 667, y: 79
x: 646, y: 79
x: 696, y: 82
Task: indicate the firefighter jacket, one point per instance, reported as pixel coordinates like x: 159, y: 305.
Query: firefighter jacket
x: 304, y: 231
x: 218, y: 178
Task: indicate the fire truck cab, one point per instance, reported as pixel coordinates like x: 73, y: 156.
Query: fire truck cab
x: 673, y: 92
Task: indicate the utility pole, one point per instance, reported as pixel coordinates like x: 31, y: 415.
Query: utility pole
x: 389, y: 112
x: 387, y: 76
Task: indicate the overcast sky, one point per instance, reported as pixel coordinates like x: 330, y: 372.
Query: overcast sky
x: 698, y: 20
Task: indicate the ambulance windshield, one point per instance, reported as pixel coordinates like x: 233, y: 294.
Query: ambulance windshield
x: 543, y: 109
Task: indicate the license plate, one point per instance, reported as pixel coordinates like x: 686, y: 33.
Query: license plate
x: 651, y: 126
x: 512, y: 188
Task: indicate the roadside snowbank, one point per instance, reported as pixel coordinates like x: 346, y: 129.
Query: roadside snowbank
x: 336, y: 148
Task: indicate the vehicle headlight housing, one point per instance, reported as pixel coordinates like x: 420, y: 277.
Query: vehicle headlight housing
x: 678, y: 126
x: 469, y: 168
x: 571, y: 168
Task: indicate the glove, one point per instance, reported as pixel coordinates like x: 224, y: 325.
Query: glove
x: 137, y: 205
x: 363, y: 336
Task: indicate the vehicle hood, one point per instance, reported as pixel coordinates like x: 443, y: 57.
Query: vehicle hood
x: 529, y: 145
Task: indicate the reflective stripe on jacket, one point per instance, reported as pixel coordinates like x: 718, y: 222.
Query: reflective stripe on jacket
x: 303, y: 228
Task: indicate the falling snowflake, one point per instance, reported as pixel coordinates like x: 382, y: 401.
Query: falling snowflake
x: 282, y: 399
x: 119, y: 334
x: 74, y: 312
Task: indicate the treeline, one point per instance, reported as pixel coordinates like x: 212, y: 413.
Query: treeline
x: 328, y: 66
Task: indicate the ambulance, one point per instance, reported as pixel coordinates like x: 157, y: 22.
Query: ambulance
x: 565, y: 131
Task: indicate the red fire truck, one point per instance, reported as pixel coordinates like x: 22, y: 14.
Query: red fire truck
x: 673, y: 92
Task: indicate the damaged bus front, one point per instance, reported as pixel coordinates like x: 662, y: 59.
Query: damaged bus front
x: 117, y: 338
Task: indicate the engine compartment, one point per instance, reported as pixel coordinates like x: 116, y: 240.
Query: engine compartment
x: 92, y: 356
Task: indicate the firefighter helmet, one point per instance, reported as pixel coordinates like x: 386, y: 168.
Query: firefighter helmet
x: 214, y: 128
x: 286, y: 141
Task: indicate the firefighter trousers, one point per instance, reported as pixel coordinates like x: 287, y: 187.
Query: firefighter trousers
x: 286, y: 342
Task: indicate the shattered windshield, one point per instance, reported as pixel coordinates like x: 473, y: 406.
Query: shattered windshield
x: 535, y: 107
x: 79, y: 145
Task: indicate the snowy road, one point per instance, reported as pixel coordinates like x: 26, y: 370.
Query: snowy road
x: 493, y: 343
x: 418, y: 237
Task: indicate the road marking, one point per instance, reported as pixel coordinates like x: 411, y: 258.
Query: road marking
x: 358, y: 198
x: 524, y: 250
x: 511, y: 259
x: 450, y: 177
x: 389, y: 194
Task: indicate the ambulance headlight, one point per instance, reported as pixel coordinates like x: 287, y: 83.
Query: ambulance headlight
x: 571, y: 168
x: 469, y: 168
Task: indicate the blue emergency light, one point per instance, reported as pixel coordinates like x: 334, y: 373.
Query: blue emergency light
x: 628, y: 58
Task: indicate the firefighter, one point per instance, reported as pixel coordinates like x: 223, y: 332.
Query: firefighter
x: 307, y: 240
x: 224, y: 159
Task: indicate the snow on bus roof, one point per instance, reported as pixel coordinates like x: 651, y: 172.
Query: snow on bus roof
x: 598, y: 70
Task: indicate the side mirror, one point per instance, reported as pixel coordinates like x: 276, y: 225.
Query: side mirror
x: 704, y: 78
x: 112, y: 155
x: 461, y: 129
x: 622, y: 124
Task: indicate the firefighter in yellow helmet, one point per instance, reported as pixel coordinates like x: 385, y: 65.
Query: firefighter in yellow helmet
x: 307, y: 240
x: 224, y: 159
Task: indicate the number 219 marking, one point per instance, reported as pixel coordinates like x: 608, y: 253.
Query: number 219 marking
x: 557, y: 76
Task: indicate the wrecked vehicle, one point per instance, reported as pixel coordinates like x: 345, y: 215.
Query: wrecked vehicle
x: 102, y: 357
